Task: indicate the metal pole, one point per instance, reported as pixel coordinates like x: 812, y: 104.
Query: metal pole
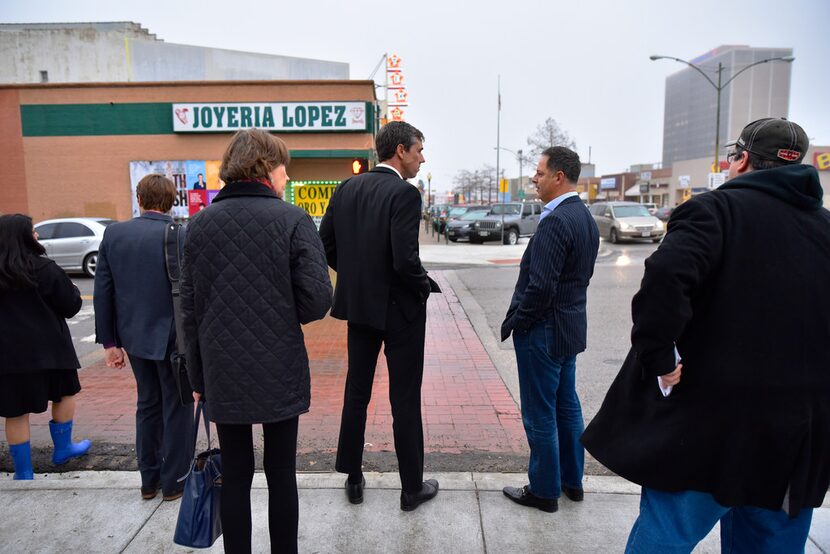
x: 429, y: 190
x: 498, y: 139
x: 502, y: 219
x: 716, y: 168
x: 521, y: 185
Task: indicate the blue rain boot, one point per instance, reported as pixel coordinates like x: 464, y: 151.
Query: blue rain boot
x: 65, y: 449
x: 22, y: 456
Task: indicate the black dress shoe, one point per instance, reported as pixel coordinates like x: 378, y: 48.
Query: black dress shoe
x: 354, y: 491
x: 171, y: 496
x: 524, y: 497
x: 577, y: 495
x: 411, y: 500
x: 150, y: 492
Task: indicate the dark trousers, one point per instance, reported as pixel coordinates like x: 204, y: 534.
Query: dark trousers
x: 280, y: 461
x: 163, y: 426
x: 404, y: 349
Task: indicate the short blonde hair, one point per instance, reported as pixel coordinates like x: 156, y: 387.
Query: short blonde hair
x: 156, y: 192
x: 252, y: 155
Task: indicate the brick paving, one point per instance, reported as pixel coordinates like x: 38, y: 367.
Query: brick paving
x: 466, y: 405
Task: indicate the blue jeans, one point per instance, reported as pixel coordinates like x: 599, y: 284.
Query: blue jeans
x: 551, y: 414
x: 674, y: 522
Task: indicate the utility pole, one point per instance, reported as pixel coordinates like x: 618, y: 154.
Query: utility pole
x: 498, y: 137
x: 429, y: 190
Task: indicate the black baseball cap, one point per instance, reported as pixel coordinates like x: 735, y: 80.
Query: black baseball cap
x: 774, y: 139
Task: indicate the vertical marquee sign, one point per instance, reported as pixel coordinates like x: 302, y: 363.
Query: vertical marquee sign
x: 395, y: 89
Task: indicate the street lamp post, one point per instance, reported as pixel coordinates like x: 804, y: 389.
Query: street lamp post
x: 520, y: 158
x: 719, y: 88
x: 429, y: 190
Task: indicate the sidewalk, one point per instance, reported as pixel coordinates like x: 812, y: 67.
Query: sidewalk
x: 103, y: 512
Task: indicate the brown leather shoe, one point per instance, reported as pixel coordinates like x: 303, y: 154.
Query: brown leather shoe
x: 524, y: 497
x: 172, y: 496
x: 149, y: 493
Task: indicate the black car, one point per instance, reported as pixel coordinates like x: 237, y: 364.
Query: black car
x: 461, y: 227
x: 453, y: 212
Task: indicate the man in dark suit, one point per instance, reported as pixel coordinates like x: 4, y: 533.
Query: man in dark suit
x: 549, y: 325
x: 739, y: 430
x: 370, y: 232
x: 134, y: 313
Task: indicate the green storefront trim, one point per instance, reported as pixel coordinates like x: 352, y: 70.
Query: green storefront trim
x: 69, y: 120
x: 72, y: 120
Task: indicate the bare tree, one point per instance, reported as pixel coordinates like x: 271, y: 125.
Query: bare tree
x: 478, y: 185
x: 547, y: 134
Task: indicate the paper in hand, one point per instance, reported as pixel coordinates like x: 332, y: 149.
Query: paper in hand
x: 667, y: 389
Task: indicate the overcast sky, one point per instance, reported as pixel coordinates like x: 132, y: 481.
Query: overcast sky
x: 583, y: 63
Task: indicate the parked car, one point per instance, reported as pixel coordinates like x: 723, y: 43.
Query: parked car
x: 663, y: 213
x: 650, y: 206
x: 73, y: 242
x: 519, y: 220
x: 626, y: 220
x: 461, y: 227
x: 454, y: 212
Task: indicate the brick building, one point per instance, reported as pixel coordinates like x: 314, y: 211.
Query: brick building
x: 76, y: 150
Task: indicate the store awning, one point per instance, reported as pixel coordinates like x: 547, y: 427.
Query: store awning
x: 633, y: 191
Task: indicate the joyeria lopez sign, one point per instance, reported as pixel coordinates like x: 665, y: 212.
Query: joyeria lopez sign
x: 286, y: 117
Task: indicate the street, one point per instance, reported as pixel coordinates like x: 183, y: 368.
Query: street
x: 616, y: 279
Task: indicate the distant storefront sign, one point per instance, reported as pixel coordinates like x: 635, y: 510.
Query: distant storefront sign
x: 314, y: 199
x: 716, y: 180
x: 684, y: 181
x: 822, y: 161
x: 284, y: 117
x: 608, y: 183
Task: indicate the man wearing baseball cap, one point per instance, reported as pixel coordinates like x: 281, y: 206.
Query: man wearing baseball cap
x: 721, y: 410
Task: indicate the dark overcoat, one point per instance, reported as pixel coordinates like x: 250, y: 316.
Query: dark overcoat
x: 33, y: 331
x: 740, y: 284
x: 254, y: 270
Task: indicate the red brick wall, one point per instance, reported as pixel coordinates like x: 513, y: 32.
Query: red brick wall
x: 13, y: 193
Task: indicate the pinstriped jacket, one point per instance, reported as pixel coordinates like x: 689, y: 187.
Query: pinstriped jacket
x: 553, y: 279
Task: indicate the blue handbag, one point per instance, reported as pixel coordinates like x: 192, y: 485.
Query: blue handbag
x: 199, y: 524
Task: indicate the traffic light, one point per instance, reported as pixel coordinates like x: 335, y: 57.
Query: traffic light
x: 359, y: 165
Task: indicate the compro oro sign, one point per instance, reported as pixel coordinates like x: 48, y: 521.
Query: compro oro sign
x: 314, y: 199
x: 284, y: 117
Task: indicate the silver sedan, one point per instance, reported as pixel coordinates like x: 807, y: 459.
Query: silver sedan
x: 73, y: 242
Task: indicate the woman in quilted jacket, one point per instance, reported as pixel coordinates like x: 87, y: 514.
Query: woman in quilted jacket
x: 254, y: 270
